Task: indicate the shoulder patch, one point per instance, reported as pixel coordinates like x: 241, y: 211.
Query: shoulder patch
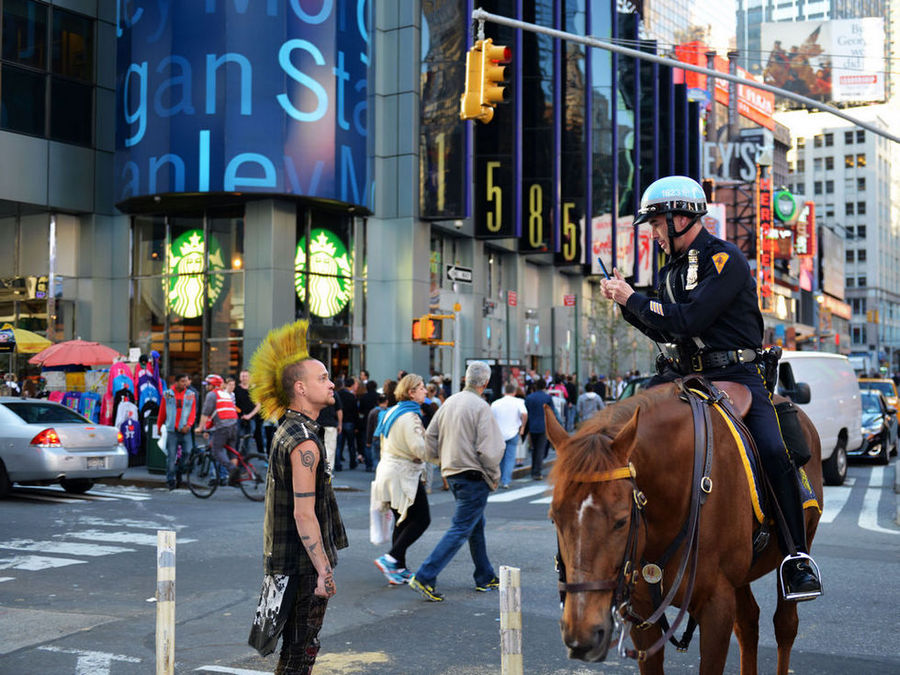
x: 656, y: 307
x: 719, y: 260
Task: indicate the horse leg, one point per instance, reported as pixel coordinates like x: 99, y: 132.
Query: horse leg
x: 786, y: 622
x: 644, y: 639
x: 716, y: 623
x: 746, y: 628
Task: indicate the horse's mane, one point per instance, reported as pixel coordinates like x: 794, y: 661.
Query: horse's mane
x: 590, y: 448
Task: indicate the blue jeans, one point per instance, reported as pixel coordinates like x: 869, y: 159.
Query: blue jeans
x: 468, y: 523
x: 508, y: 463
x: 570, y: 417
x: 173, y: 440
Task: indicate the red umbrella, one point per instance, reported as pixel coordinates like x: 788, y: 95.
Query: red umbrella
x: 75, y: 352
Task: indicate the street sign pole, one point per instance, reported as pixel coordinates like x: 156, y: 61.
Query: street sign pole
x: 455, y: 359
x: 575, y: 310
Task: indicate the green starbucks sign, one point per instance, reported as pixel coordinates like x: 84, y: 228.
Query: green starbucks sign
x: 186, y: 267
x: 330, y: 286
x: 785, y: 206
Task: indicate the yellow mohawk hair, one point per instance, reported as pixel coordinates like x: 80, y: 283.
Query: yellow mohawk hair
x: 280, y: 348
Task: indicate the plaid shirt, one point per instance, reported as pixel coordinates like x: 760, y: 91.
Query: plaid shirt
x: 283, y: 552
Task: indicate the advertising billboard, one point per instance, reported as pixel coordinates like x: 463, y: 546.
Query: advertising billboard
x: 243, y: 97
x: 839, y: 61
x: 601, y: 247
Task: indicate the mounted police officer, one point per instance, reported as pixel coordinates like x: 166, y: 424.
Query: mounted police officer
x: 706, y: 312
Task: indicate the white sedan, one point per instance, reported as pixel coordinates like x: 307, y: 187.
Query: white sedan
x: 43, y: 442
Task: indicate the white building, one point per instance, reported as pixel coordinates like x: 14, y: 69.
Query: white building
x: 853, y: 177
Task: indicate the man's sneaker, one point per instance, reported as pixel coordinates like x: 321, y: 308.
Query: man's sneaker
x: 390, y: 570
x: 424, y: 589
x: 491, y: 585
x: 406, y: 574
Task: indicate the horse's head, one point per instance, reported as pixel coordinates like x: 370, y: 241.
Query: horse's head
x: 592, y: 511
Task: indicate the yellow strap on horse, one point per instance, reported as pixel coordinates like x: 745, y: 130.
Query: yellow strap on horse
x: 604, y: 476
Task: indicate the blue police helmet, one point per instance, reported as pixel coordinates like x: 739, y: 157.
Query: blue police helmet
x: 673, y: 194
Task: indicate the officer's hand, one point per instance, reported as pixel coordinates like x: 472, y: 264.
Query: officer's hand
x: 617, y: 289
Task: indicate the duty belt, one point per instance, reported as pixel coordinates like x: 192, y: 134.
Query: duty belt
x: 700, y: 361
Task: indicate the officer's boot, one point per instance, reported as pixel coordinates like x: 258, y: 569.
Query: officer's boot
x: 798, y: 573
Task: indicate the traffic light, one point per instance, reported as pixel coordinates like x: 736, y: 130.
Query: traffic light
x: 484, y: 80
x: 426, y: 329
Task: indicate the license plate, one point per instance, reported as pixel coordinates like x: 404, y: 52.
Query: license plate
x: 96, y: 462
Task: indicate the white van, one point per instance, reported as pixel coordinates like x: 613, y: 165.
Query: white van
x: 833, y: 403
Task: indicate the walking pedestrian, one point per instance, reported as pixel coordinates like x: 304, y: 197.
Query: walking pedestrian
x: 465, y: 438
x: 177, y: 414
x: 511, y: 416
x: 249, y: 422
x: 346, y: 399
x: 537, y: 430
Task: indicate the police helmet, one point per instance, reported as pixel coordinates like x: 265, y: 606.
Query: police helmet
x: 673, y: 194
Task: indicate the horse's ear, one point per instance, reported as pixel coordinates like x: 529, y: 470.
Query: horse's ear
x: 624, y: 442
x: 555, y: 432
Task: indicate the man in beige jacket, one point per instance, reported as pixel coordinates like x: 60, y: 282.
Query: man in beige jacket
x: 465, y: 438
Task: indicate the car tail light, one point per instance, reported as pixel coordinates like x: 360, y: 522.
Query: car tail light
x: 48, y: 438
x: 120, y: 438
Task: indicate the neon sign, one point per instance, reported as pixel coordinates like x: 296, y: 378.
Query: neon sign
x: 765, y: 243
x: 330, y: 286
x: 185, y: 285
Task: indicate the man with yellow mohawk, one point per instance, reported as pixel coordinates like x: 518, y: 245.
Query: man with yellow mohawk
x: 303, y: 529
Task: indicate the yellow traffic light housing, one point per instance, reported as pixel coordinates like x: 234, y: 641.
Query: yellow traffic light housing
x: 429, y: 329
x: 484, y: 80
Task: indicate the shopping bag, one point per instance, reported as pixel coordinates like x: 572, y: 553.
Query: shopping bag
x: 162, y: 441
x: 275, y: 602
x: 381, y: 520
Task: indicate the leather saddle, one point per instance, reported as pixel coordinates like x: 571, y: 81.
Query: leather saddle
x: 738, y: 396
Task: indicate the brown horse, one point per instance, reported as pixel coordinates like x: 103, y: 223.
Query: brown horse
x: 593, y: 495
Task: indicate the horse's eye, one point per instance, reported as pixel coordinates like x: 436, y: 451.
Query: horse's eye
x: 620, y: 524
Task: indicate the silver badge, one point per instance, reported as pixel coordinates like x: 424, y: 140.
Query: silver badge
x: 693, y: 263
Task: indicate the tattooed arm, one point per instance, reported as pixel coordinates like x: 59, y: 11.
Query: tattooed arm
x: 304, y: 460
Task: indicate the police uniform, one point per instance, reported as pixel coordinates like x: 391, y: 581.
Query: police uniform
x: 707, y: 313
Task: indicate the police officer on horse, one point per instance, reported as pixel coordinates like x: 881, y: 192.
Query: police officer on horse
x: 706, y: 312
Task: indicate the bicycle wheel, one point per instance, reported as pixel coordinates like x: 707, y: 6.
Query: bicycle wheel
x: 253, y: 477
x: 202, y: 475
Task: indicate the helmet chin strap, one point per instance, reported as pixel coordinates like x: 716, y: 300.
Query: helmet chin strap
x: 673, y: 233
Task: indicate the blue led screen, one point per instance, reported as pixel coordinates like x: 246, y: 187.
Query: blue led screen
x: 249, y: 96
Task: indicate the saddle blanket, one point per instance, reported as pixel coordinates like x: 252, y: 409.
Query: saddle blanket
x: 751, y: 470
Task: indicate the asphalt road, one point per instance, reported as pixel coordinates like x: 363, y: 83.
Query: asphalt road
x: 78, y: 579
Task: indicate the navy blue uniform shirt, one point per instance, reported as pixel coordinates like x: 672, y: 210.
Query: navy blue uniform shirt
x: 706, y: 300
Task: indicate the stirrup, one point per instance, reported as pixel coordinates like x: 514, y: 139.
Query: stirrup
x: 799, y: 596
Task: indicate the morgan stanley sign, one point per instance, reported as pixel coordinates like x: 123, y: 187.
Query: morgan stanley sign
x: 249, y: 96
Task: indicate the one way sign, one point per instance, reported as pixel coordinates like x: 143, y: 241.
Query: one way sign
x: 457, y: 273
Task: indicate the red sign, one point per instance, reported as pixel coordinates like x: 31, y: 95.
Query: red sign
x: 765, y: 244
x: 512, y: 299
x: 754, y: 104
x: 569, y: 300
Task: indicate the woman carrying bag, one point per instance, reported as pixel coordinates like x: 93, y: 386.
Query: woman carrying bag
x: 399, y: 478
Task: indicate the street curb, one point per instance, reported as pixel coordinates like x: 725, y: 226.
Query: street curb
x: 897, y: 490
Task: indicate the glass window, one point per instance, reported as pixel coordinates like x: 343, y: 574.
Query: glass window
x: 849, y: 161
x: 861, y: 255
x: 860, y: 231
x: 860, y: 135
x: 25, y: 33
x: 73, y: 45
x: 22, y: 100
x: 817, y: 187
x: 829, y: 163
x: 801, y: 188
x: 801, y: 165
x: 849, y: 255
x: 861, y: 282
x: 851, y: 282
x: 801, y: 142
x: 860, y: 184
x: 71, y: 111
x: 848, y: 137
x: 829, y: 140
x: 848, y: 208
x: 829, y: 187
x: 817, y: 164
x: 861, y: 208
x: 861, y: 159
x: 817, y: 141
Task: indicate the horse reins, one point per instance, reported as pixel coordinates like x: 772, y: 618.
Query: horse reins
x: 623, y: 583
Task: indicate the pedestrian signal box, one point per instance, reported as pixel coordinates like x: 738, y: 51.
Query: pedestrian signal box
x: 429, y: 329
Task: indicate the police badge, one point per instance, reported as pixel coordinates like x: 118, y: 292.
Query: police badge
x: 693, y: 262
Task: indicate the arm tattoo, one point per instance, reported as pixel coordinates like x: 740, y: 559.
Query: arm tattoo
x: 301, y: 495
x: 329, y: 584
x: 307, y: 459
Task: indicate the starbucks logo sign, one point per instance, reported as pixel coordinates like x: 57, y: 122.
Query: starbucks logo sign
x: 185, y: 285
x: 330, y: 286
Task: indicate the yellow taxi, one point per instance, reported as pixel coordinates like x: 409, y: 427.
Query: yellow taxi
x: 885, y: 386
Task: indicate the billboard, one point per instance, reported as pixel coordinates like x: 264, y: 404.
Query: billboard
x: 839, y: 61
x: 601, y: 247
x: 243, y: 97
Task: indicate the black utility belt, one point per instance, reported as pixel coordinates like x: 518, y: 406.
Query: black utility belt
x: 697, y: 363
x: 471, y: 474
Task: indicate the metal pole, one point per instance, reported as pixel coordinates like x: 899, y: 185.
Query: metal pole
x: 481, y: 15
x: 510, y: 621
x: 577, y: 374
x: 455, y: 360
x: 165, y: 602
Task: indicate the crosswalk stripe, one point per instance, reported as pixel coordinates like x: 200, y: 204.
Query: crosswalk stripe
x: 127, y: 522
x: 121, y: 495
x: 513, y: 495
x: 2, y: 579
x: 542, y: 500
x: 62, y: 547
x: 868, y: 515
x: 35, y: 563
x: 138, y: 538
x: 35, y: 497
x: 835, y: 498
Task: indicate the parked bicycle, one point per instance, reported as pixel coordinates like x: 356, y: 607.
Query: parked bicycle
x: 202, y: 474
